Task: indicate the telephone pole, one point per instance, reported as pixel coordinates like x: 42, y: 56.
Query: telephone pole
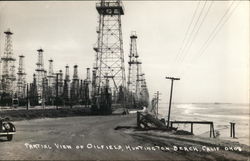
x: 170, y: 101
x: 157, y: 103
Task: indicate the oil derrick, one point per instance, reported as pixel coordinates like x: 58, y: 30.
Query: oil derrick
x: 81, y: 92
x: 144, y: 95
x: 75, y: 86
x: 33, y: 94
x: 45, y: 96
x: 60, y: 83
x: 66, y: 87
x: 138, y: 85
x: 109, y: 63
x: 51, y: 83
x: 40, y: 74
x: 93, y: 83
x: 133, y: 76
x: 86, y: 87
x: 8, y: 69
x: 59, y: 88
x: 21, y: 79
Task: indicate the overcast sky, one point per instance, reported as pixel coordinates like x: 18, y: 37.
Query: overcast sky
x: 67, y: 31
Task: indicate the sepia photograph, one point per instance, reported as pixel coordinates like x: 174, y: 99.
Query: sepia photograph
x: 125, y: 80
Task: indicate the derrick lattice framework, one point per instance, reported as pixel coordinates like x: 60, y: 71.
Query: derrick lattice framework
x: 144, y: 95
x: 59, y: 83
x: 137, y: 87
x: 134, y: 72
x: 21, y: 78
x: 8, y: 66
x: 51, y: 74
x: 66, y: 90
x: 133, y: 65
x: 109, y: 64
x: 86, y: 87
x: 41, y: 74
x: 75, y: 85
x: 51, y: 80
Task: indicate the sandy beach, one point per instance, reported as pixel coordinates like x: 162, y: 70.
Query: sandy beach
x: 95, y: 138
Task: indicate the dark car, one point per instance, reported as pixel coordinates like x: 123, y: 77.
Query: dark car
x: 7, y: 129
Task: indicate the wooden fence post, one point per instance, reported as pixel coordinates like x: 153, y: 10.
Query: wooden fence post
x: 138, y: 119
x: 192, y: 129
x: 232, y: 129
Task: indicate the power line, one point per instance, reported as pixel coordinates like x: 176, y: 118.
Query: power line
x: 194, y: 27
x: 217, y: 28
x: 197, y: 31
x: 191, y: 22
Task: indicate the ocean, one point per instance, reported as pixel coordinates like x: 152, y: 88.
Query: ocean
x: 220, y: 114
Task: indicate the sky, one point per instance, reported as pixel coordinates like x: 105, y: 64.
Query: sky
x: 67, y: 32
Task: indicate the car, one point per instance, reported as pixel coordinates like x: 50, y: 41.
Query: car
x: 7, y: 129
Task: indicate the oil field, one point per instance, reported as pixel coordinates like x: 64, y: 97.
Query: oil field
x: 104, y: 87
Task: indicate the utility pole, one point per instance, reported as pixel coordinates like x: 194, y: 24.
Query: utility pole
x: 170, y: 101
x: 43, y: 93
x: 27, y: 105
x: 157, y: 103
x: 56, y: 100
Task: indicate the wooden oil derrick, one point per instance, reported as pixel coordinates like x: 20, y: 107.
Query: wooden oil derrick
x: 74, y: 93
x: 66, y: 87
x: 33, y: 94
x: 144, y: 95
x: 51, y: 92
x: 8, y: 71
x: 133, y: 73
x: 40, y: 74
x: 109, y: 63
x: 86, y: 89
x: 21, y: 82
x: 81, y: 92
x: 59, y: 88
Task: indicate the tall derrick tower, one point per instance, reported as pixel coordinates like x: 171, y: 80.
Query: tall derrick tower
x: 60, y: 83
x: 51, y: 82
x: 143, y: 94
x: 8, y: 65
x: 109, y: 63
x: 33, y: 95
x: 66, y: 88
x: 40, y: 74
x: 21, y: 78
x: 134, y: 71
x: 133, y: 64
x: 139, y: 79
x: 51, y: 74
x: 86, y: 88
x: 75, y: 85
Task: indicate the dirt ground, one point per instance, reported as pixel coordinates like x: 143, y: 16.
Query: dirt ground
x: 94, y: 138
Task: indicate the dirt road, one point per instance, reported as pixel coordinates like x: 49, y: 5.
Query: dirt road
x: 94, y: 138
